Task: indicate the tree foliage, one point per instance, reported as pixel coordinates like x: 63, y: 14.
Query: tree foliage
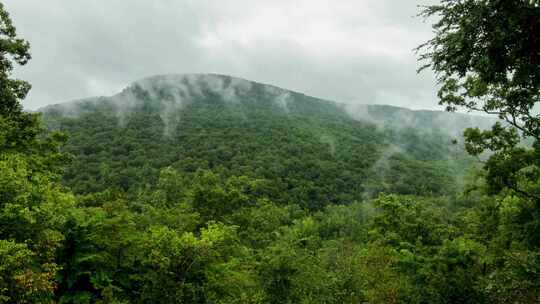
x: 258, y: 207
x: 486, y: 55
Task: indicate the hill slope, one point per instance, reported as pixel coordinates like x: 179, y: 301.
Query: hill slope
x: 304, y: 149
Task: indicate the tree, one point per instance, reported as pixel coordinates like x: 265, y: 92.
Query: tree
x: 20, y: 131
x: 16, y: 125
x: 32, y: 203
x: 12, y: 49
x: 486, y: 55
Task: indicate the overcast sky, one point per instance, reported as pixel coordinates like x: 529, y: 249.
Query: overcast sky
x: 356, y: 51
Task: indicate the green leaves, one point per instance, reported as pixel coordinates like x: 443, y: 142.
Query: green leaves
x: 22, y: 279
x: 499, y: 138
x: 180, y: 267
x: 11, y: 91
x: 244, y: 204
x: 485, y: 54
x: 486, y: 57
x: 517, y: 280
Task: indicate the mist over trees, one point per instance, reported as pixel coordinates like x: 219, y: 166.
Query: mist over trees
x: 214, y: 189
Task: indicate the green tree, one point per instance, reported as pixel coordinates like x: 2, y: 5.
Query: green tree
x: 13, y: 50
x: 17, y: 128
x: 32, y: 203
x: 486, y: 55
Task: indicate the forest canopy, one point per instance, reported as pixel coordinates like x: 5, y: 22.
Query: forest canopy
x: 212, y: 189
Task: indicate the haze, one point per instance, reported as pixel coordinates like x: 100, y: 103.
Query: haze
x: 359, y: 52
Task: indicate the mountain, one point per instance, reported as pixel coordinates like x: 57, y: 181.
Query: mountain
x: 172, y: 92
x: 303, y: 149
x: 391, y: 116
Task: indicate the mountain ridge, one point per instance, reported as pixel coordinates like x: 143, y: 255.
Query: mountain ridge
x: 311, y: 150
x: 179, y: 89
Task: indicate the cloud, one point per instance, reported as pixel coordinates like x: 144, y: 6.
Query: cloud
x: 355, y: 51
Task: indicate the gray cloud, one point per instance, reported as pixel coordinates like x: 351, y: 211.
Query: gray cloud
x: 355, y: 51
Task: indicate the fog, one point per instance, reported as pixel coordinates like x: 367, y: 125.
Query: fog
x: 357, y: 52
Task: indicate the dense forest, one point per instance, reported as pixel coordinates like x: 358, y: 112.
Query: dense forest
x: 206, y: 188
x: 305, y: 150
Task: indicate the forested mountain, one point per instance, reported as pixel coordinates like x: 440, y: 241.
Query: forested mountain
x: 310, y: 151
x: 449, y: 123
x: 212, y: 189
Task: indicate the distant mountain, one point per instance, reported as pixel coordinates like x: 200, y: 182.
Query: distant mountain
x: 391, y: 116
x: 307, y: 149
x: 172, y: 92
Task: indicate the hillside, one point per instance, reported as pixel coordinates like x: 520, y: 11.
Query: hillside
x: 212, y: 189
x: 449, y: 123
x: 308, y: 150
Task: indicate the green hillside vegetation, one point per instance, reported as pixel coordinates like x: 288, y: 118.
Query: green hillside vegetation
x: 213, y: 189
x: 306, y: 150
